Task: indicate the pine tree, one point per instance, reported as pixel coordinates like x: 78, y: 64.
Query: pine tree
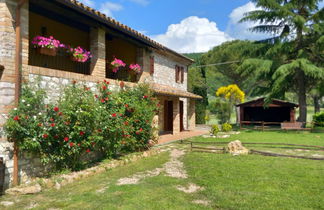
x: 294, y: 59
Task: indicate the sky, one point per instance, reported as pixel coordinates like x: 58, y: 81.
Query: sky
x: 183, y: 25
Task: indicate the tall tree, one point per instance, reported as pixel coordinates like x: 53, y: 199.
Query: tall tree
x: 197, y: 85
x: 222, y: 63
x: 291, y: 62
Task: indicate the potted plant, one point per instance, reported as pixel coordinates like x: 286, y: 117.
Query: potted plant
x: 79, y: 54
x: 134, y: 70
x: 46, y: 45
x: 116, y: 64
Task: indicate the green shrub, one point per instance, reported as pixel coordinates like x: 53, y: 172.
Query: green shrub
x: 109, y: 122
x: 215, y: 130
x: 200, y: 113
x: 318, y: 119
x: 221, y: 109
x: 226, y: 127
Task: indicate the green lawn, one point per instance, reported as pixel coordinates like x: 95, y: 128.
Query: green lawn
x: 310, y: 112
x: 240, y: 182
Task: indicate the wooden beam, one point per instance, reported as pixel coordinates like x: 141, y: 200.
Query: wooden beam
x: 18, y: 83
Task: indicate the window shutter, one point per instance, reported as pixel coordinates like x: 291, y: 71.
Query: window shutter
x: 182, y: 74
x: 177, y: 73
x: 151, y: 65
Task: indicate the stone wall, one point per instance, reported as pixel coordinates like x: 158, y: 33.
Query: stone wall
x: 191, y: 114
x: 7, y: 58
x: 54, y: 86
x: 29, y: 165
x: 164, y: 72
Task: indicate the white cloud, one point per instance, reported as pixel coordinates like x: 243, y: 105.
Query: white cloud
x: 109, y: 7
x: 193, y: 34
x: 141, y: 2
x: 241, y: 30
x: 89, y: 3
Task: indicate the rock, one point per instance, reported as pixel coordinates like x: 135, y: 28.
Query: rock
x: 7, y: 203
x: 145, y: 154
x: 57, y: 186
x: 151, y: 143
x: 223, y: 136
x: 236, y: 148
x: 24, y: 190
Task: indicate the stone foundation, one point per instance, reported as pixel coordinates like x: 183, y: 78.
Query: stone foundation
x: 29, y: 165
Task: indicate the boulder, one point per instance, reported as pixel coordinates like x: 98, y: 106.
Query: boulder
x: 236, y: 148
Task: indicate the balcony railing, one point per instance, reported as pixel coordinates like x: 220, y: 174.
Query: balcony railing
x: 60, y: 62
x: 123, y: 74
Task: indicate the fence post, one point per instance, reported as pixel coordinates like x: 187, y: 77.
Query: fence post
x: 262, y: 126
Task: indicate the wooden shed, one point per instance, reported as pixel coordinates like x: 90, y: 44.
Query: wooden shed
x: 255, y: 111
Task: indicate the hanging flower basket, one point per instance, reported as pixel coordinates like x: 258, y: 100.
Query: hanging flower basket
x: 135, y: 68
x: 46, y: 45
x: 79, y: 54
x: 116, y: 64
x: 47, y: 51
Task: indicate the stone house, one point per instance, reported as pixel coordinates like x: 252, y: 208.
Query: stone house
x: 78, y: 25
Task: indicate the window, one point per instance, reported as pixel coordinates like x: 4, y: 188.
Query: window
x: 182, y: 74
x: 179, y: 74
x: 151, y: 65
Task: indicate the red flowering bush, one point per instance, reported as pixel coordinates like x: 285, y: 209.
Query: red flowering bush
x: 112, y: 123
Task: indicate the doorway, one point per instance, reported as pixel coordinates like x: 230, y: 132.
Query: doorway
x: 168, y: 116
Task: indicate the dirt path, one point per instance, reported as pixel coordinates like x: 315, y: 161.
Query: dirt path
x: 173, y: 168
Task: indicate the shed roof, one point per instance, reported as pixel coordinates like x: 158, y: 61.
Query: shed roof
x: 260, y: 102
x: 76, y: 5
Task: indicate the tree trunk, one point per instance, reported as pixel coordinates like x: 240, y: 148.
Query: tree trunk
x: 302, y: 96
x: 317, y: 107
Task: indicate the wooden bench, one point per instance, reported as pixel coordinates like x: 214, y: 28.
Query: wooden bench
x: 292, y: 126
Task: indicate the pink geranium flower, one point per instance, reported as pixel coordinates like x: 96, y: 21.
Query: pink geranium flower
x: 47, y: 42
x: 117, y: 63
x: 136, y: 68
x: 79, y: 54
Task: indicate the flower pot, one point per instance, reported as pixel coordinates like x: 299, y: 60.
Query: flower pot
x: 47, y: 51
x: 74, y: 59
x: 132, y: 76
x: 77, y: 59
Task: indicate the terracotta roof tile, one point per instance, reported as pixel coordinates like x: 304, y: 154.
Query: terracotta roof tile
x: 170, y: 91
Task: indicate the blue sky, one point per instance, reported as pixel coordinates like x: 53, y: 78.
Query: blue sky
x: 183, y: 25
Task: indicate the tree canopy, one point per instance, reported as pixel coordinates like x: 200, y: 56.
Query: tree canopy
x: 294, y: 57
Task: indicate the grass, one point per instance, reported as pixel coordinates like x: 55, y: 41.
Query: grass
x: 257, y: 182
x: 153, y: 193
x: 288, y: 137
x: 241, y: 182
x: 293, y: 137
